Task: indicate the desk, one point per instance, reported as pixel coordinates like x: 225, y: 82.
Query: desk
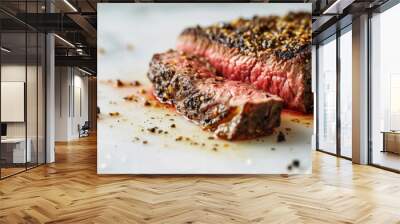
x: 391, y: 141
x: 18, y: 150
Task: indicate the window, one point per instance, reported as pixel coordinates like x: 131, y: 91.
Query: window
x: 385, y: 89
x: 327, y: 96
x: 22, y: 75
x: 346, y: 93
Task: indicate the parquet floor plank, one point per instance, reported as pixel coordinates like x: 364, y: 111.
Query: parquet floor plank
x: 70, y: 191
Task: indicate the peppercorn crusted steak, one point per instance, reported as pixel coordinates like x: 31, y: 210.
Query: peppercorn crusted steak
x: 231, y: 109
x: 273, y: 53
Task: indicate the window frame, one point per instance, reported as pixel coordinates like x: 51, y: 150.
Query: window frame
x: 333, y: 37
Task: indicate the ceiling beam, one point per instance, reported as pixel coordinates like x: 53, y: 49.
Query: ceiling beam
x: 337, y: 7
x: 79, y: 61
x: 84, y: 24
x: 49, y: 22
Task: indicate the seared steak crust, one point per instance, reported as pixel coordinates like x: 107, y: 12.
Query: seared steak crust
x: 231, y: 109
x: 273, y: 53
x: 283, y: 36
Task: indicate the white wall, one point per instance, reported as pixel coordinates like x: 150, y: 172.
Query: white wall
x: 80, y: 110
x: 14, y: 73
x: 71, y: 94
x: 62, y: 81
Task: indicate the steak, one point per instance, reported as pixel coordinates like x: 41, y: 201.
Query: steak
x: 273, y: 53
x: 231, y: 109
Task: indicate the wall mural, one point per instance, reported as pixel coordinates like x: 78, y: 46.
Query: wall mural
x: 204, y: 88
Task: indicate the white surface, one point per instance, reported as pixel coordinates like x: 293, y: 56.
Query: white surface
x: 119, y: 152
x: 19, y: 149
x: 152, y: 28
x: 12, y: 101
x: 12, y: 140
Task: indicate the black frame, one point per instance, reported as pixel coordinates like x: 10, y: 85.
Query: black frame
x: 347, y: 28
x: 338, y: 98
x: 30, y: 29
x: 369, y: 70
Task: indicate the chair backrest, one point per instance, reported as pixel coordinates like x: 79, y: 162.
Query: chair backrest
x: 86, y: 125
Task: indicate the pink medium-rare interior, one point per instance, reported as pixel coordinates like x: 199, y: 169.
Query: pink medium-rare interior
x: 283, y: 78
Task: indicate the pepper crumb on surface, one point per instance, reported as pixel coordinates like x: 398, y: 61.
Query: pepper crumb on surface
x: 119, y: 83
x: 289, y: 167
x: 130, y: 98
x: 113, y: 114
x: 280, y: 137
x: 147, y: 103
x: 130, y: 47
x: 152, y: 130
x: 102, y: 51
x: 295, y: 120
x: 296, y: 163
x: 136, y: 83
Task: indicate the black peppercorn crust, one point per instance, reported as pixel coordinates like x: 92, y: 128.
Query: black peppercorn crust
x: 283, y: 36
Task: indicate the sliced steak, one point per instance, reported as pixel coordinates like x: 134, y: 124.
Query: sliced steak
x: 231, y: 109
x: 273, y: 53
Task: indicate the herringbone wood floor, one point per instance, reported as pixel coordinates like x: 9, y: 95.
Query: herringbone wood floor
x: 70, y: 191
